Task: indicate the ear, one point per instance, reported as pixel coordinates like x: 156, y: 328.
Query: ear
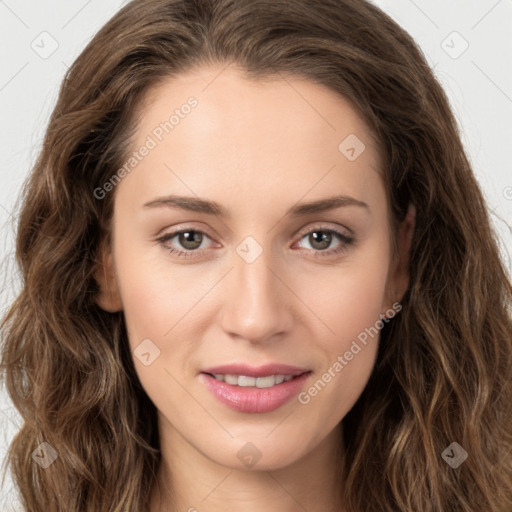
x: 108, y: 298
x: 398, y: 278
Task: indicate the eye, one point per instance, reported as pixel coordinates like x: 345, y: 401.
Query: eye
x: 191, y: 240
x: 321, y: 238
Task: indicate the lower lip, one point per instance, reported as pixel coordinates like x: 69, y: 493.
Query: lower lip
x: 253, y: 399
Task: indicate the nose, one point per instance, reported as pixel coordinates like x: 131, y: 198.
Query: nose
x: 256, y: 304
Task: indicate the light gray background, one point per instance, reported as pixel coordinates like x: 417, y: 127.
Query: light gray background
x: 40, y: 39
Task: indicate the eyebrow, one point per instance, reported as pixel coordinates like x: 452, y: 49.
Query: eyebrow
x: 198, y: 205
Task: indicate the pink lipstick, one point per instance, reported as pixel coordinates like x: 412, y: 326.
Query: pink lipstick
x: 254, y: 389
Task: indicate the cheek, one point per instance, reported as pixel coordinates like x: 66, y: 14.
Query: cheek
x: 349, y: 297
x: 148, y: 308
x: 350, y: 304
x: 155, y: 293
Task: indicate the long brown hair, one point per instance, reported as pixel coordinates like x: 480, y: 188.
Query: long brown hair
x: 444, y: 368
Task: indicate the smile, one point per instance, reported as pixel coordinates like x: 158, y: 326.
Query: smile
x: 254, y: 394
x: 247, y: 381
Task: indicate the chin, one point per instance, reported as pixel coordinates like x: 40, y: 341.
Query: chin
x: 259, y: 453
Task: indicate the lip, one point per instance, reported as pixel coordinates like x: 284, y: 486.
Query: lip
x: 252, y: 399
x: 253, y: 371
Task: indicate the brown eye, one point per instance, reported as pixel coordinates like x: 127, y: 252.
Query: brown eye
x: 185, y: 243
x: 320, y: 239
x: 190, y: 240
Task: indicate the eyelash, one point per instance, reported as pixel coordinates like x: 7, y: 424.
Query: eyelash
x: 345, y: 242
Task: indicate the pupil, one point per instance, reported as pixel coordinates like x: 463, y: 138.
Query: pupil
x: 323, y: 243
x: 190, y: 244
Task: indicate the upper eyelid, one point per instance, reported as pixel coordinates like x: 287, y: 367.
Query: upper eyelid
x: 322, y: 227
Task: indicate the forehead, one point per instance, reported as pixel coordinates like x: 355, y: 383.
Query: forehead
x: 229, y: 101
x: 283, y: 133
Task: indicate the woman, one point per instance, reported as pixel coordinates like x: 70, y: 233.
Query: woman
x: 258, y: 273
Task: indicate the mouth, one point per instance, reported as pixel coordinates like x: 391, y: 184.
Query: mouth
x: 254, y: 390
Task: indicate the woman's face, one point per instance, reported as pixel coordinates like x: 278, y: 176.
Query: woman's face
x: 289, y: 296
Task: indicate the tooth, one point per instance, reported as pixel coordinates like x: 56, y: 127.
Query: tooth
x: 245, y: 381
x: 231, y: 379
x: 265, y: 382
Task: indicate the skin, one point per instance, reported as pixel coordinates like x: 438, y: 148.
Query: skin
x: 257, y: 148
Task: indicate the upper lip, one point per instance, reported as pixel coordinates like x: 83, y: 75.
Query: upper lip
x: 256, y: 371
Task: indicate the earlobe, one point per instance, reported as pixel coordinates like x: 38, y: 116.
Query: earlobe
x: 108, y: 297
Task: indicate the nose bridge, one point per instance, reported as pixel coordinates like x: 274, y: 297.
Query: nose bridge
x: 253, y: 306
